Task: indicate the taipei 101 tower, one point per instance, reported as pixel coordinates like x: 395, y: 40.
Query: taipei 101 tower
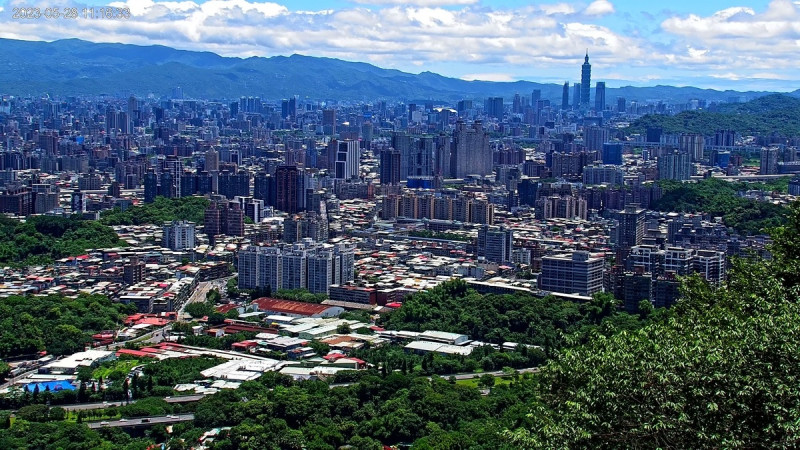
x: 586, y: 81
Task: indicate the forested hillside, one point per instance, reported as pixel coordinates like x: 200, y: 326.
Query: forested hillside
x: 41, y: 239
x: 721, y: 374
x: 773, y: 113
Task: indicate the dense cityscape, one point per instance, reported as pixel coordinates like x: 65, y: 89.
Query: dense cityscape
x: 323, y: 273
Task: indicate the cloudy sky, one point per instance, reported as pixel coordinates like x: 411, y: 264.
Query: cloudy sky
x: 739, y: 44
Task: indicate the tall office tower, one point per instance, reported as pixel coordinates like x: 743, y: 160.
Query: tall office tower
x: 653, y: 134
x: 441, y: 156
x: 264, y: 188
x: 495, y: 244
x: 565, y: 96
x: 494, y: 107
x: 402, y: 142
x: 536, y: 95
x: 390, y: 167
x: 693, y: 144
x: 516, y: 105
x: 234, y: 184
x: 286, y: 182
x: 572, y: 273
x: 284, y: 108
x: 586, y: 81
x: 178, y: 235
x: 576, y: 96
x: 594, y: 138
x: 329, y: 122
x: 470, y: 153
x: 420, y: 159
x: 150, y: 186
x: 212, y: 161
x: 600, y: 96
x: 412, y: 108
x: 133, y: 108
x: 611, y: 153
x: 621, y: 108
x: 174, y: 167
x: 674, y: 166
x: 347, y: 160
x: 769, y: 161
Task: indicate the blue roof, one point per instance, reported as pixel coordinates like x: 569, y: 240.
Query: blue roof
x: 54, y: 386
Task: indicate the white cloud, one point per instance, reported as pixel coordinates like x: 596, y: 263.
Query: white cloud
x: 529, y: 42
x: 599, y: 8
x: 738, y: 37
x: 416, y: 2
x: 488, y: 77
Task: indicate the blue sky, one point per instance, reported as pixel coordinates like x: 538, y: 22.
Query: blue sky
x: 751, y: 44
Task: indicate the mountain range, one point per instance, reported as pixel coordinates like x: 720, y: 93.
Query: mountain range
x: 77, y: 67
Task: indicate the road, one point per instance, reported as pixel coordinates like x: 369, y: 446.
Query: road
x: 198, y: 397
x: 142, y: 421
x: 172, y: 399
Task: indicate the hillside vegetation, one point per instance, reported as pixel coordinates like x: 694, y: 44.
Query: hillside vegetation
x: 719, y: 198
x: 41, y: 239
x: 720, y: 374
x: 57, y: 324
x: 160, y: 211
x: 765, y: 115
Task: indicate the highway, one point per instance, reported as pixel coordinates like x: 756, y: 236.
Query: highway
x: 142, y: 421
x: 172, y: 399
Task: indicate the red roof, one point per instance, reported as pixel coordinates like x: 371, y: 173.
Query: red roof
x: 223, y: 309
x: 289, y: 306
x: 394, y: 305
x: 136, y: 353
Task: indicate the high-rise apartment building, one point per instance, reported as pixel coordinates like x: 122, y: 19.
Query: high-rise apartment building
x: 674, y: 166
x: 178, y: 235
x: 575, y: 273
x: 495, y: 244
x: 693, y: 145
x: 470, y: 154
x: 301, y: 265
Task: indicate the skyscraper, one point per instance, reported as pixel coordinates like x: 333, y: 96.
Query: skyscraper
x: 674, y: 166
x: 390, y: 166
x: 621, y: 105
x: 693, y: 144
x: 769, y: 161
x: 565, y: 97
x: 329, y: 122
x: 576, y: 96
x: 594, y: 138
x: 600, y: 96
x: 471, y: 154
x: 286, y: 180
x: 586, y: 81
x: 347, y: 160
x: 536, y: 95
